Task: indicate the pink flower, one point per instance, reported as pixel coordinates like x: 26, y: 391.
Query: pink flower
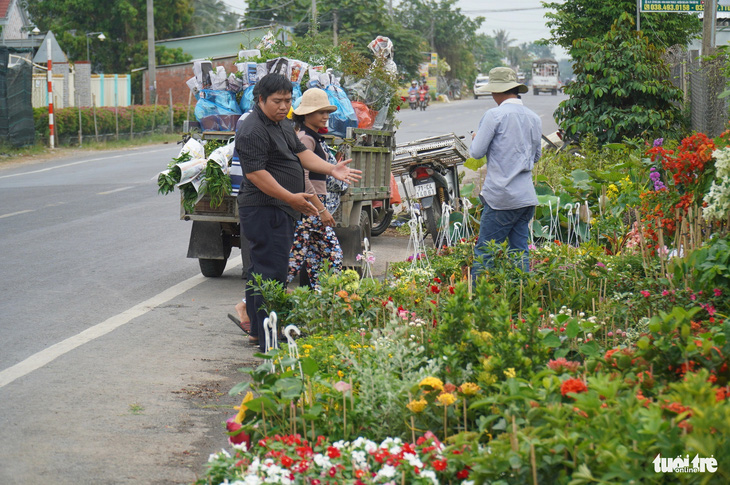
x: 646, y: 293
x: 342, y: 386
x: 600, y: 265
x: 718, y: 292
x: 665, y: 293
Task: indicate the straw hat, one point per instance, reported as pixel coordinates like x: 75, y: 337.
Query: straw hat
x: 314, y: 99
x: 503, y: 79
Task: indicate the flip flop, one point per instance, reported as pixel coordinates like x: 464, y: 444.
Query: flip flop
x: 245, y: 327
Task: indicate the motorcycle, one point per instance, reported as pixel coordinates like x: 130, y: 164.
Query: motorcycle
x: 423, y: 99
x: 434, y: 184
x: 413, y: 100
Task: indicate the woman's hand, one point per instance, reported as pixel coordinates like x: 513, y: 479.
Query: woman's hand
x: 327, y: 218
x: 342, y: 172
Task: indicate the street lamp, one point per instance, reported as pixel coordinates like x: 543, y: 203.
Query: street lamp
x: 101, y: 37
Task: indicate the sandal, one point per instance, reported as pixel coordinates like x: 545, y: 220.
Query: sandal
x: 253, y: 341
x: 244, y: 326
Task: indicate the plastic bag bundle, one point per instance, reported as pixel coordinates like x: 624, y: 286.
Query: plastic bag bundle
x: 345, y: 115
x: 246, y: 102
x: 365, y: 116
x: 280, y: 65
x: 297, y: 69
x: 235, y: 83
x: 217, y: 110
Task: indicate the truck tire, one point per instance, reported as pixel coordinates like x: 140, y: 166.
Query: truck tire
x: 554, y: 92
x: 212, y: 268
x: 535, y: 92
x: 365, y: 225
x: 382, y: 216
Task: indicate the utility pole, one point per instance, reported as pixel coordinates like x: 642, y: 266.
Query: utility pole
x: 390, y: 8
x: 433, y: 45
x: 151, y: 50
x: 335, y: 18
x: 708, y: 27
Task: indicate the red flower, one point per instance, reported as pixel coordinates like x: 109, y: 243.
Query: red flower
x: 451, y: 290
x: 463, y: 474
x: 437, y: 279
x: 439, y: 465
x: 572, y: 386
x: 435, y: 289
x: 333, y: 452
x: 286, y: 462
x: 333, y: 471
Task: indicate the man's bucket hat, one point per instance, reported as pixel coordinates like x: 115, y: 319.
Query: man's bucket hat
x: 503, y: 79
x: 314, y: 99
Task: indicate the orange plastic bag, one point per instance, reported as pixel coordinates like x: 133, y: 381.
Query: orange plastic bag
x: 394, y: 193
x: 365, y: 116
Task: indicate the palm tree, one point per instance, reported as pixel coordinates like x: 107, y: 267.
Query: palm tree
x: 502, y: 40
x: 213, y: 16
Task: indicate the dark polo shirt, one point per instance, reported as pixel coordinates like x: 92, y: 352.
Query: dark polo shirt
x: 263, y: 144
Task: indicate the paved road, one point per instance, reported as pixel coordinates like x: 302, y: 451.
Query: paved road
x: 115, y: 354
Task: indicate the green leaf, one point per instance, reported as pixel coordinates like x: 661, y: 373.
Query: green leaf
x: 551, y: 340
x: 573, y: 329
x: 590, y: 349
x: 474, y: 164
x: 239, y: 388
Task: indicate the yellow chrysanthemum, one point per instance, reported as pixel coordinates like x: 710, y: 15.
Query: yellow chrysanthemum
x: 446, y: 399
x: 307, y: 347
x: 433, y: 382
x: 417, y: 406
x: 510, y: 373
x: 469, y: 388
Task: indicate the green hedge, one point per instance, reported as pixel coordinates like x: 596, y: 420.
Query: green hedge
x: 145, y: 117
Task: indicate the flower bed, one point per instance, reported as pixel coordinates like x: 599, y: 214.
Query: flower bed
x: 606, y: 356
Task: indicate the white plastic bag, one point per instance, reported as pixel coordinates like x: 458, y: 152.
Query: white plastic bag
x: 223, y: 156
x: 218, y: 79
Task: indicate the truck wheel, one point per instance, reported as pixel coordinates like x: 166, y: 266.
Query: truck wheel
x: 382, y: 216
x: 535, y: 92
x: 554, y: 92
x: 365, y: 226
x: 212, y: 268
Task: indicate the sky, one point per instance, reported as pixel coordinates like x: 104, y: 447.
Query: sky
x: 522, y: 19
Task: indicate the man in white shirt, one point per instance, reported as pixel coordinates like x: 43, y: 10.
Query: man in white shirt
x: 509, y: 135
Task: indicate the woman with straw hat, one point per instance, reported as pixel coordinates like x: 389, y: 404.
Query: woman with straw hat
x: 314, y: 239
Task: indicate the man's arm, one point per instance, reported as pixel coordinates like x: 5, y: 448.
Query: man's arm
x: 483, y: 137
x: 269, y: 186
x: 341, y: 171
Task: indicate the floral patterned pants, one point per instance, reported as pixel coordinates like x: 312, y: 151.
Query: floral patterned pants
x: 314, y: 243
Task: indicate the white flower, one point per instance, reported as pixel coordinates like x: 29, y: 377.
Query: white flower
x: 322, y: 461
x: 430, y: 474
x: 240, y: 447
x: 413, y: 460
x: 387, y: 471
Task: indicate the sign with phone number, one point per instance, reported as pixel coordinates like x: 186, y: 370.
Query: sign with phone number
x: 677, y: 6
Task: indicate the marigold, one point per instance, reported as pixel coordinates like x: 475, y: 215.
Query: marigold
x: 446, y: 399
x: 342, y: 294
x: 510, y: 373
x: 572, y: 386
x: 433, y: 382
x: 417, y: 406
x: 469, y: 388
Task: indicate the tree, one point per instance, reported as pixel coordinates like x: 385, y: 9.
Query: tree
x: 486, y: 55
x: 123, y: 22
x: 213, y: 16
x: 451, y: 32
x: 502, y: 40
x: 540, y: 51
x: 590, y: 19
x: 621, y: 88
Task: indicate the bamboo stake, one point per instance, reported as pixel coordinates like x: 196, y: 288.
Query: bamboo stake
x: 465, y: 416
x: 533, y: 464
x: 263, y: 418
x: 131, y: 122
x: 413, y: 422
x: 513, y: 435
x: 96, y: 127
x: 172, y: 128
x: 352, y: 396
x: 81, y: 135
x: 446, y: 417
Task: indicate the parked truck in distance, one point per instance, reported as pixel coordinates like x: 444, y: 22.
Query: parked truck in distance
x: 545, y: 76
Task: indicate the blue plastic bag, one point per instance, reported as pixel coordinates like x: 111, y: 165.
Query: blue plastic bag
x: 246, y: 102
x: 345, y: 115
x: 296, y: 94
x: 224, y: 100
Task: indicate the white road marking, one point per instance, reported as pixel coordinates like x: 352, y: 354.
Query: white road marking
x: 45, y: 356
x: 16, y: 213
x: 76, y: 163
x: 115, y: 190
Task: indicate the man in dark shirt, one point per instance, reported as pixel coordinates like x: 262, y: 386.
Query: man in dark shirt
x: 272, y: 193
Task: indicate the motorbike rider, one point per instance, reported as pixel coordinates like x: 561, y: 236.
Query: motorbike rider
x: 413, y: 89
x: 423, y: 90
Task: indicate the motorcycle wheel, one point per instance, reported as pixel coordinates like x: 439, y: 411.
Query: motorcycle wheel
x: 381, y: 220
x: 433, y: 214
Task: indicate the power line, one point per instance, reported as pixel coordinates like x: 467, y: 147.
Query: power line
x: 503, y: 10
